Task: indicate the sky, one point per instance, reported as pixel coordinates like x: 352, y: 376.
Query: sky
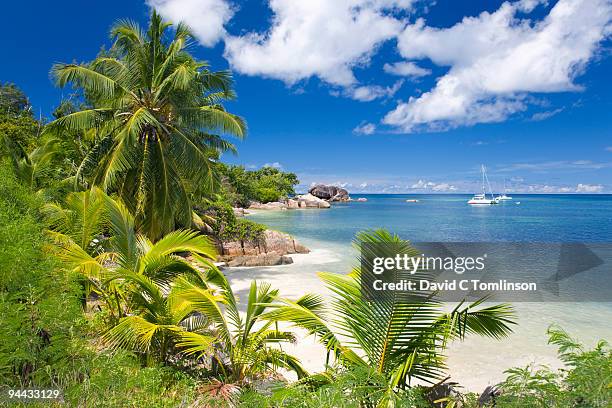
x: 379, y: 96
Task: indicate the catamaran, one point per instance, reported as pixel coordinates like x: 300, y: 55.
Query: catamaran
x: 481, y: 199
x: 503, y: 196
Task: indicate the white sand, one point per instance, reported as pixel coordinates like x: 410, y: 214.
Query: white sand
x: 474, y: 363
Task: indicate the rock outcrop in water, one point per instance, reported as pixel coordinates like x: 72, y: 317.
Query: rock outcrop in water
x: 329, y: 193
x: 301, y: 201
x: 272, y: 249
x: 275, y: 205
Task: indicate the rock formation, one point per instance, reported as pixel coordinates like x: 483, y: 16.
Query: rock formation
x: 275, y: 205
x: 330, y: 193
x: 270, y: 250
x: 309, y: 201
x: 301, y: 201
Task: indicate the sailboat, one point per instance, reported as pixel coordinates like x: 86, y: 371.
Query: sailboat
x: 481, y: 199
x: 503, y: 196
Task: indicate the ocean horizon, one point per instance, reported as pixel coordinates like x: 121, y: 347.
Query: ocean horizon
x: 447, y: 217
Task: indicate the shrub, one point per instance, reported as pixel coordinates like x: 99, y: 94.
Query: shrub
x: 354, y: 388
x: 226, y: 226
x: 39, y: 306
x: 118, y: 380
x: 586, y: 381
x: 240, y: 186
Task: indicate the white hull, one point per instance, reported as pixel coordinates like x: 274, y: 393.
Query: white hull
x: 481, y: 199
x: 481, y: 202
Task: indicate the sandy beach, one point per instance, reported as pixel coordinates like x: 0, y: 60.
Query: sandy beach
x: 475, y: 362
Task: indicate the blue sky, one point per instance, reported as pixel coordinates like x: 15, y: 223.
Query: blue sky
x: 378, y: 95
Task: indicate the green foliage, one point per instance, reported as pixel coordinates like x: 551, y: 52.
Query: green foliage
x: 119, y: 380
x: 402, y: 340
x: 267, y: 184
x: 12, y: 100
x: 354, y: 388
x: 39, y: 306
x: 225, y: 226
x: 244, y: 230
x: 18, y: 132
x: 156, y: 116
x: 244, y: 349
x: 18, y: 129
x: 586, y: 381
x: 129, y: 265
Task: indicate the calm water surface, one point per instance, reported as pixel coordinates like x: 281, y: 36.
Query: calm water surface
x: 538, y: 218
x: 476, y: 362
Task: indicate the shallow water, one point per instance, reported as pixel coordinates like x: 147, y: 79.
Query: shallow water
x: 476, y: 362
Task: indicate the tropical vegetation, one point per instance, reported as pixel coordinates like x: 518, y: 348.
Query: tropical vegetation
x: 157, y: 121
x: 241, y: 186
x: 111, y: 214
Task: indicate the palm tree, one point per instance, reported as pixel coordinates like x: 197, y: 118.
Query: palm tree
x: 157, y: 115
x: 245, y: 348
x: 402, y: 340
x: 161, y: 323
x: 35, y: 167
x: 95, y: 236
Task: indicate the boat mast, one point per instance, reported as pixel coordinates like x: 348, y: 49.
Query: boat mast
x: 484, y: 177
x: 482, y: 169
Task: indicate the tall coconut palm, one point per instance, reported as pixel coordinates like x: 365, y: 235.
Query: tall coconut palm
x: 158, y: 120
x: 402, y: 339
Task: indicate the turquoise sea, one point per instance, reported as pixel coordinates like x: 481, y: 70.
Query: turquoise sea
x: 436, y: 217
x: 476, y: 362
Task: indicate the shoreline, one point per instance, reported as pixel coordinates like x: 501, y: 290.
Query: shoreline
x: 474, y: 363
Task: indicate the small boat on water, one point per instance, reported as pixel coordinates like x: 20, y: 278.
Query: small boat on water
x: 481, y: 199
x: 503, y: 196
x: 412, y: 201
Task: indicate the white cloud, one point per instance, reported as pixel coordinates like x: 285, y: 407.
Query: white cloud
x: 275, y: 165
x: 319, y: 38
x: 589, y: 188
x: 609, y: 149
x: 444, y: 187
x: 556, y: 189
x: 536, y: 117
x: 371, y: 92
x: 496, y: 59
x: 527, y: 6
x: 556, y: 165
x: 206, y: 18
x: 406, y: 68
x: 420, y: 184
x: 429, y: 185
x: 365, y: 129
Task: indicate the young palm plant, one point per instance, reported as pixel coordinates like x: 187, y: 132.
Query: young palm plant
x: 248, y: 346
x: 112, y: 263
x: 35, y: 167
x: 158, y: 120
x: 161, y: 323
x: 402, y: 339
